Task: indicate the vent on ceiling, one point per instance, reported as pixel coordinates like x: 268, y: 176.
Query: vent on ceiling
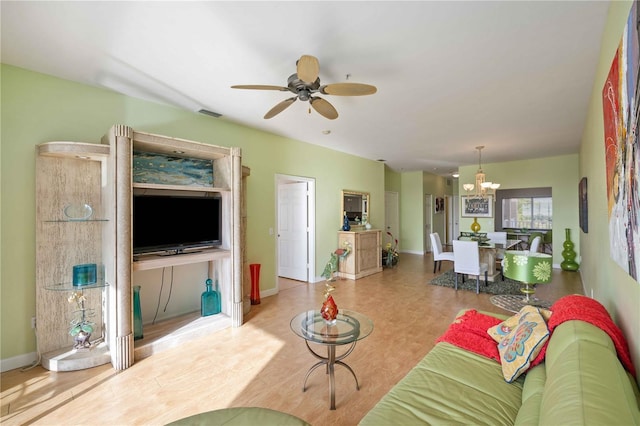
x: 211, y: 113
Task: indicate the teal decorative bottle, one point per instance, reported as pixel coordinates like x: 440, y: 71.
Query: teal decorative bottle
x: 137, y: 314
x: 209, y: 300
x: 568, y: 254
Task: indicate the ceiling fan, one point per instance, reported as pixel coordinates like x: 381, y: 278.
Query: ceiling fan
x: 305, y: 82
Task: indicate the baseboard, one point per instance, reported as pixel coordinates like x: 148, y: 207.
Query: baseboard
x: 19, y: 361
x: 419, y: 252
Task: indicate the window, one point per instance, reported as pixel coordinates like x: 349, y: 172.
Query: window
x: 527, y: 213
x: 524, y: 208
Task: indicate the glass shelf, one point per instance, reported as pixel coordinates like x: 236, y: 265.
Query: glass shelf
x: 71, y: 287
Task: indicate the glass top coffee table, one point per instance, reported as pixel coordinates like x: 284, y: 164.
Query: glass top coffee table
x: 350, y: 326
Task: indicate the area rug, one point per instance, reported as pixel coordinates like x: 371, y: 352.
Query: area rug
x: 512, y: 303
x: 447, y: 279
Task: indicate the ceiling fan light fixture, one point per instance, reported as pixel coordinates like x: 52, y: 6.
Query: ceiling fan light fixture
x: 305, y: 83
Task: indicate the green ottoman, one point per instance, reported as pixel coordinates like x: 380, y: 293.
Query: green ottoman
x: 241, y: 416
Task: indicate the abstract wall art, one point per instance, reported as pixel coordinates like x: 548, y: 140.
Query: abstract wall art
x: 583, y: 205
x: 620, y: 99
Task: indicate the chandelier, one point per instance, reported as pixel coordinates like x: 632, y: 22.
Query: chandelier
x: 482, y: 187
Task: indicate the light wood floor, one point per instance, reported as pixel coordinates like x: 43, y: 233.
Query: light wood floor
x: 263, y: 363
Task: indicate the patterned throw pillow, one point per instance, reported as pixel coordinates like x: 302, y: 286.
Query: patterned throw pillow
x: 522, y: 344
x: 501, y: 330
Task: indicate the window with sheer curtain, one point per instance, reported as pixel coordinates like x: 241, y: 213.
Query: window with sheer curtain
x: 526, y: 208
x: 527, y: 213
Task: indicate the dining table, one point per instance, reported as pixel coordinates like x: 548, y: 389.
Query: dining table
x: 489, y: 251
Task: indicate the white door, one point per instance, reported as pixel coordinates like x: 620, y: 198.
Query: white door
x: 293, y: 231
x: 391, y: 217
x: 428, y: 203
x: 455, y: 213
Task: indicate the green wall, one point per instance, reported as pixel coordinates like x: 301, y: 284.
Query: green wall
x: 38, y: 108
x: 411, y: 213
x: 601, y: 276
x: 391, y: 180
x: 560, y: 173
x: 413, y: 187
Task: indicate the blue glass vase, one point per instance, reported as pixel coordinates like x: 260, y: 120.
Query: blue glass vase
x: 345, y: 223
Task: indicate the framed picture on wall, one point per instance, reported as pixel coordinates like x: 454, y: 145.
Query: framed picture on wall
x: 439, y: 205
x: 583, y: 206
x: 476, y: 206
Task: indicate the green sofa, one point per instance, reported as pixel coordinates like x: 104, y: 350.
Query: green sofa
x: 581, y: 381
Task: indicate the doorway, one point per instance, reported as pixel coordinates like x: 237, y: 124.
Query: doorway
x: 452, y: 209
x: 428, y: 222
x: 295, y: 218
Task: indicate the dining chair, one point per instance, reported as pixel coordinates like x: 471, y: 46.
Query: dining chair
x: 532, y: 237
x: 498, y: 238
x: 535, y: 244
x: 466, y: 261
x: 547, y: 241
x: 438, y: 254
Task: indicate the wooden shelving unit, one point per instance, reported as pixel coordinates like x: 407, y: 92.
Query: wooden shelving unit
x: 101, y: 175
x: 227, y: 179
x: 71, y: 173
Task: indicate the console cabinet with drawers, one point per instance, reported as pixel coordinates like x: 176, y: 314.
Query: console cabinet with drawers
x: 365, y: 257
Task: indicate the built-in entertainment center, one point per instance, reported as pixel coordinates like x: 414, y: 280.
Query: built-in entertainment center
x: 136, y: 224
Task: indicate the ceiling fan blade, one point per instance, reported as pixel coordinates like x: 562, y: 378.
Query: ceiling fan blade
x: 324, y: 108
x: 308, y: 68
x: 259, y: 87
x: 279, y: 108
x: 348, y: 89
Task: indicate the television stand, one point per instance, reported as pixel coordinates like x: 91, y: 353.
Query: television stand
x: 153, y: 261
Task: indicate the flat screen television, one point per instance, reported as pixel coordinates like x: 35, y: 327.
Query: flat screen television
x: 175, y: 223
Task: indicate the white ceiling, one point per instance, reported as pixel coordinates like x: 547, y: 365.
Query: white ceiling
x: 514, y: 76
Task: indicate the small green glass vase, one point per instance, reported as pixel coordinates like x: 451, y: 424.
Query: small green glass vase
x: 475, y: 226
x: 568, y: 254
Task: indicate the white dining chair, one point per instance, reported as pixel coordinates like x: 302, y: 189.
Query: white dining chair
x: 467, y: 262
x: 535, y: 245
x: 438, y: 254
x: 498, y: 238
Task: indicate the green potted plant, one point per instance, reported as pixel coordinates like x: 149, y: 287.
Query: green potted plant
x: 390, y: 253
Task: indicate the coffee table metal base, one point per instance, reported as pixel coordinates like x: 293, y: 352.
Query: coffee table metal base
x: 330, y: 361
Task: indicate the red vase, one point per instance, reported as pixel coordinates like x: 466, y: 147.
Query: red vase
x: 329, y: 310
x: 255, y: 283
